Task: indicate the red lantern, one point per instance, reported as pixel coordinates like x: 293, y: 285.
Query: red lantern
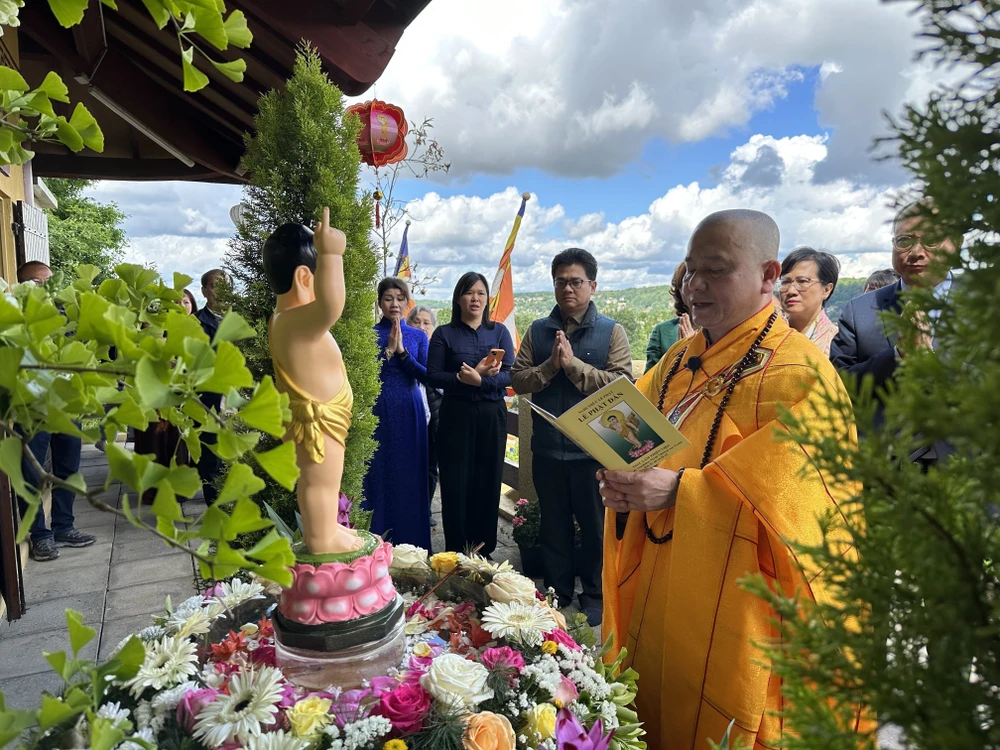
x: 382, y: 139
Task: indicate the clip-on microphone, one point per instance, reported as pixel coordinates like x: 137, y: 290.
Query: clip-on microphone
x: 693, y: 364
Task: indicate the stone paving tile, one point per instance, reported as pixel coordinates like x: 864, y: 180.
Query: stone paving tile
x: 151, y: 570
x: 92, y: 522
x: 141, y: 549
x: 66, y: 576
x: 22, y: 654
x: 50, y: 614
x: 115, y: 631
x: 25, y: 692
x: 147, y: 598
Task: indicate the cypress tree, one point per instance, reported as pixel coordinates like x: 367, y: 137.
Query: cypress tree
x: 303, y: 157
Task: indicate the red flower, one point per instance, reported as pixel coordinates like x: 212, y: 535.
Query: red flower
x: 406, y: 707
x: 228, y: 648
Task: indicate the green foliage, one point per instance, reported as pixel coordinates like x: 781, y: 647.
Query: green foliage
x: 304, y: 157
x: 27, y: 115
x: 57, y: 373
x: 912, y: 631
x: 83, y: 231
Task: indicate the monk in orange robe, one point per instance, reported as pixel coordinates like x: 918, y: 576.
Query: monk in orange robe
x: 724, y: 507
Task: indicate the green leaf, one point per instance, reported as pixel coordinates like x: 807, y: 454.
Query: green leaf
x: 265, y: 412
x: 131, y: 414
x: 68, y: 12
x: 104, y: 734
x: 184, y: 479
x: 245, y: 518
x: 277, y: 571
x: 122, y: 465
x: 110, y: 3
x: 87, y: 127
x: 182, y: 331
x: 208, y: 23
x: 233, y: 70
x: 240, y: 482
x: 79, y: 634
x: 232, y: 445
x: 233, y: 328
x: 158, y: 10
x: 53, y: 713
x: 42, y: 104
x: 27, y: 519
x: 57, y: 660
x: 10, y: 366
x: 11, y: 452
x: 126, y: 663
x: 153, y: 390
x: 165, y: 506
x: 54, y: 88
x: 11, y: 80
x: 279, y: 524
x: 280, y: 464
x: 194, y: 79
x: 68, y: 135
x: 237, y: 30
x: 230, y: 370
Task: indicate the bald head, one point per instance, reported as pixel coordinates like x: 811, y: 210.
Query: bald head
x: 732, y: 267
x: 751, y: 231
x: 34, y: 270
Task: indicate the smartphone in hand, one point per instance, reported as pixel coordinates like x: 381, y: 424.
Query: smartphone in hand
x: 495, y: 357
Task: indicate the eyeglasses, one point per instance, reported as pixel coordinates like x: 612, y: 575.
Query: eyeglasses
x: 910, y: 241
x: 800, y: 283
x: 562, y: 283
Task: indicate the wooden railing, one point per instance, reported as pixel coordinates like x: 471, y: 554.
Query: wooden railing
x: 511, y: 473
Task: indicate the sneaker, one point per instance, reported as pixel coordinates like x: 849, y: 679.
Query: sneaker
x: 100, y: 444
x: 43, y: 550
x: 74, y: 538
x: 593, y: 616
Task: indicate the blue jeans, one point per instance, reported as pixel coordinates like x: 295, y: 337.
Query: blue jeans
x: 65, y: 463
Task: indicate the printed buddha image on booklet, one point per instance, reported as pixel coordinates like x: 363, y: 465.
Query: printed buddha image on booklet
x: 619, y: 428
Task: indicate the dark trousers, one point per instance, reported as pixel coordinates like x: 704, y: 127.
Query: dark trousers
x: 567, y: 489
x: 65, y: 463
x: 471, y: 440
x: 209, y: 465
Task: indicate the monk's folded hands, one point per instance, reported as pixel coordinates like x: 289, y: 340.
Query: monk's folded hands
x: 650, y: 490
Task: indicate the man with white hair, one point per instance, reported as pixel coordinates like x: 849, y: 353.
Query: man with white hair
x: 679, y: 537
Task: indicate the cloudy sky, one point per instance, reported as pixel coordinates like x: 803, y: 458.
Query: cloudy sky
x: 627, y: 121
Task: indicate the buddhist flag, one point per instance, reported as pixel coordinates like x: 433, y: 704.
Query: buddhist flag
x: 502, y: 304
x: 403, y: 264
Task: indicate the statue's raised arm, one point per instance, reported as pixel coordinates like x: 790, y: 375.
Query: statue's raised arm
x: 306, y: 272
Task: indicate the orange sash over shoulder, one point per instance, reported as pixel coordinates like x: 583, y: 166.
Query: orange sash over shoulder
x: 688, y: 626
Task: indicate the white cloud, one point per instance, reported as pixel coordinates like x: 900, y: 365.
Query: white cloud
x: 464, y: 233
x: 577, y: 89
x: 178, y: 253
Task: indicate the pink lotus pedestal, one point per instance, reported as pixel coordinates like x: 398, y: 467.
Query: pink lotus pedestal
x: 341, y: 621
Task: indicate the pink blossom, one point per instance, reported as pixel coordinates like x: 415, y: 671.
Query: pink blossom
x: 406, y: 707
x: 347, y: 708
x: 504, y: 658
x: 567, y: 692
x: 522, y: 501
x: 518, y: 521
x: 570, y: 734
x: 344, y: 510
x: 192, y: 703
x: 562, y: 638
x: 423, y: 663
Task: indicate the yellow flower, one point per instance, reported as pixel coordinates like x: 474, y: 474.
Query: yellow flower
x: 394, y: 745
x: 550, y: 647
x: 309, y: 716
x: 422, y: 650
x: 542, y: 720
x: 444, y: 562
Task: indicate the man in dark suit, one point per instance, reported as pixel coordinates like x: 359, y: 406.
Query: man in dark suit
x: 210, y: 465
x: 863, y: 346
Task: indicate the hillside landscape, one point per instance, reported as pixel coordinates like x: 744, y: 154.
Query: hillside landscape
x: 638, y: 309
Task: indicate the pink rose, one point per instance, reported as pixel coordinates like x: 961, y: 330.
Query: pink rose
x: 504, y: 658
x: 567, y: 692
x: 406, y: 707
x: 192, y: 703
x: 562, y: 638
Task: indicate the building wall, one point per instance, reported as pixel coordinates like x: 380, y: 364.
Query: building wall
x: 11, y: 177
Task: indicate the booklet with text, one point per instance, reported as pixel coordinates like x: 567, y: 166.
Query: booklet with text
x: 619, y: 428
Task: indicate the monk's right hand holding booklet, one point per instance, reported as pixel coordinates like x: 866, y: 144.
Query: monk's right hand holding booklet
x: 619, y: 428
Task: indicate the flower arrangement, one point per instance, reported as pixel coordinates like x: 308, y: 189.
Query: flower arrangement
x: 527, y: 518
x: 489, y: 665
x: 642, y: 450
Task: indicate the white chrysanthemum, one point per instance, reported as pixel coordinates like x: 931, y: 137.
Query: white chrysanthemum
x: 147, y: 718
x: 146, y: 735
x: 236, y: 592
x: 147, y: 635
x: 275, y: 741
x: 252, y: 701
x: 185, y: 624
x: 168, y: 700
x: 518, y: 622
x: 114, y: 712
x: 168, y: 661
x: 482, y: 566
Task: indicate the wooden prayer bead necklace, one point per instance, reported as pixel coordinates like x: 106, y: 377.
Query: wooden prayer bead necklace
x: 737, y: 374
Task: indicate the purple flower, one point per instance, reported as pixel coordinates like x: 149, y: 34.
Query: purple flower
x: 347, y: 708
x: 502, y: 659
x: 570, y: 734
x: 344, y: 511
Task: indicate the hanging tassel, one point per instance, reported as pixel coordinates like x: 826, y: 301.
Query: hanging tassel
x: 378, y: 202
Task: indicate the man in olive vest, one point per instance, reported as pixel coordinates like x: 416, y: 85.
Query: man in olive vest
x: 564, y: 358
